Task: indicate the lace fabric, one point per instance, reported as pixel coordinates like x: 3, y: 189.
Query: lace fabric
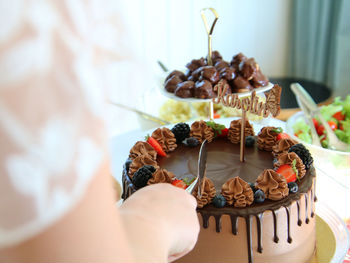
x: 52, y: 132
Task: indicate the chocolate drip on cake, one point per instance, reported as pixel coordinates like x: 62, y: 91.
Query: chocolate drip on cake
x: 205, y: 217
x: 312, y: 203
x: 218, y: 223
x: 234, y: 220
x: 307, y: 220
x: 289, y: 239
x: 259, y: 219
x: 298, y: 210
x: 248, y: 222
x: 275, y: 237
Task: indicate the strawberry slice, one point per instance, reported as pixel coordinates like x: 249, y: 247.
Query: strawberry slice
x: 282, y: 135
x: 288, y: 171
x: 179, y: 183
x: 223, y: 133
x: 153, y: 142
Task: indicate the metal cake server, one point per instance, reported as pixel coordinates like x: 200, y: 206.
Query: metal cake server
x: 202, y: 166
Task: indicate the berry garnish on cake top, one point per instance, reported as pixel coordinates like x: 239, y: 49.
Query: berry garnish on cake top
x: 241, y: 74
x: 283, y: 177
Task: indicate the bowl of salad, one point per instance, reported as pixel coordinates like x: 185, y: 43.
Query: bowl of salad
x: 334, y: 163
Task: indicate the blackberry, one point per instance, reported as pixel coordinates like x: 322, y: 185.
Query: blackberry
x: 219, y: 201
x: 142, y: 175
x: 181, y: 131
x: 293, y: 187
x: 259, y: 196
x: 127, y: 164
x: 191, y: 142
x: 303, y: 154
x: 249, y: 141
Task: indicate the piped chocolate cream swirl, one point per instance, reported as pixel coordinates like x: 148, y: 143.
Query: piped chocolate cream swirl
x: 237, y: 192
x: 201, y: 131
x: 142, y: 148
x: 267, y: 138
x: 282, y: 146
x: 166, y: 138
x: 161, y: 176
x: 234, y: 132
x: 208, y: 193
x: 272, y: 184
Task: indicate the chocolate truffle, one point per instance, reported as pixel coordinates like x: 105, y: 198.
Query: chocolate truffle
x: 240, y: 84
x: 185, y: 89
x: 221, y: 64
x: 248, y: 68
x: 196, y: 74
x: 210, y: 73
x: 178, y: 73
x: 228, y: 73
x: 196, y: 63
x: 238, y: 59
x: 171, y: 83
x: 259, y: 80
x: 215, y: 56
x: 204, y: 90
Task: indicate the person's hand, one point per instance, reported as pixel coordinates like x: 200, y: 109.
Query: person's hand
x: 161, y: 217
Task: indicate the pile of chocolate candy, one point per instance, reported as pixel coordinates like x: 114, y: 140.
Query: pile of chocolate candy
x: 241, y: 74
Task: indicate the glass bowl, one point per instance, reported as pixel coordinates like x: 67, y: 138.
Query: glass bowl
x: 334, y: 163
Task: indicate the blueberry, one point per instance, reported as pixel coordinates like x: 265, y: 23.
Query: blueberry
x: 259, y: 196
x: 191, y: 142
x: 293, y: 187
x: 127, y: 164
x: 219, y: 201
x: 252, y: 185
x: 249, y: 141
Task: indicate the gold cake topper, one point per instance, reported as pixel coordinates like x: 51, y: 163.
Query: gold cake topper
x: 249, y: 104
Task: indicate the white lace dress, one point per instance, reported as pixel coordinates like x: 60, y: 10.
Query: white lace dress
x: 52, y: 138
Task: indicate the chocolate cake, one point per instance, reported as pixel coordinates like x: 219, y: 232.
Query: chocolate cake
x: 242, y: 75
x: 249, y: 211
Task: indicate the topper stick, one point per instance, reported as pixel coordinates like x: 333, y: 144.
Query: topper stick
x: 209, y: 31
x: 209, y: 58
x: 211, y: 110
x: 242, y: 147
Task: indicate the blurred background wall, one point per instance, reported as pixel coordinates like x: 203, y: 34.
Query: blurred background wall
x: 173, y: 32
